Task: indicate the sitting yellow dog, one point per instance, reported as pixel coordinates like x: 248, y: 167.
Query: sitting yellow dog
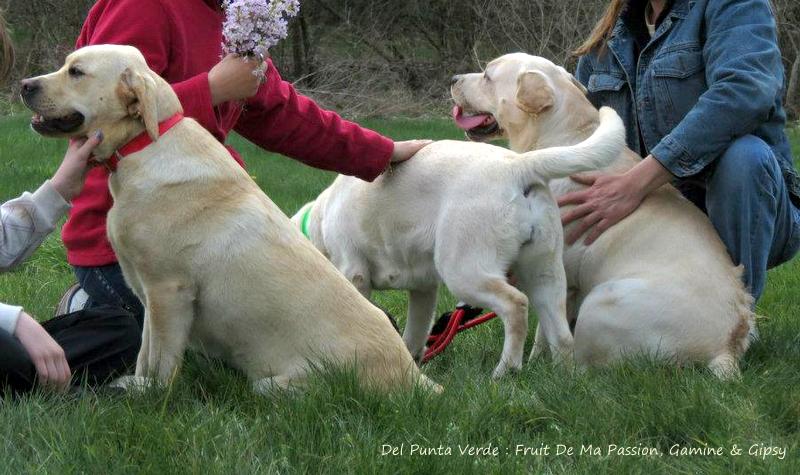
x: 215, y: 262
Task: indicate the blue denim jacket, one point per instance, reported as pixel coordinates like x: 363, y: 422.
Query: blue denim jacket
x: 712, y: 72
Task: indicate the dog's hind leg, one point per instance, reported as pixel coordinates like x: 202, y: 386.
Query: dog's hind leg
x: 168, y: 319
x: 475, y: 270
x: 511, y: 306
x: 539, y: 345
x: 293, y: 377
x: 544, y: 280
x: 421, y: 305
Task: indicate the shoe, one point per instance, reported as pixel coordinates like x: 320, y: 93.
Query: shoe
x: 74, y: 299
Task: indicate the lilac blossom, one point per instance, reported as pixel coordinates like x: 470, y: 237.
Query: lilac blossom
x: 252, y: 27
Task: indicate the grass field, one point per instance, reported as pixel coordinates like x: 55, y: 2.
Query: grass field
x: 210, y: 423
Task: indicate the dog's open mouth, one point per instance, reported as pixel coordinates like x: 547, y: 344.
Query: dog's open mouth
x: 58, y: 125
x: 478, y: 126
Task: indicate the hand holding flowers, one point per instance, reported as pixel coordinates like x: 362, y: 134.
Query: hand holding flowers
x: 251, y: 27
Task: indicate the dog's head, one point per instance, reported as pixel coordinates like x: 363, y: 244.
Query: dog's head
x: 105, y: 87
x: 522, y: 98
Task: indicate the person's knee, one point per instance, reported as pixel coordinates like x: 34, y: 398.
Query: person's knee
x: 747, y: 165
x: 121, y: 326
x: 16, y: 368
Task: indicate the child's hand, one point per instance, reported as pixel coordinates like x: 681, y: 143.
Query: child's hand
x: 47, y: 356
x: 233, y: 79
x: 68, y: 179
x: 407, y: 149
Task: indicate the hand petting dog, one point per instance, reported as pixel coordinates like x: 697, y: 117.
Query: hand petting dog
x: 610, y: 198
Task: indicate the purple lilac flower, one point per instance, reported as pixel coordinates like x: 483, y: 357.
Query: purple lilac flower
x: 252, y: 27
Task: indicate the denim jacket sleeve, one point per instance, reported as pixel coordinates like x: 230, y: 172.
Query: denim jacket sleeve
x: 584, y: 70
x: 741, y: 58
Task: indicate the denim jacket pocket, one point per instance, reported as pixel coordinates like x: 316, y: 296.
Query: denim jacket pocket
x: 677, y: 84
x: 679, y: 64
x: 607, y: 90
x: 599, y: 82
x: 611, y: 90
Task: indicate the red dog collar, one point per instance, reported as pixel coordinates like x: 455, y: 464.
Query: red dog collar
x: 141, y: 141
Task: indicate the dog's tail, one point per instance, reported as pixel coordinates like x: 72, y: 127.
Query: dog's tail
x: 597, y: 151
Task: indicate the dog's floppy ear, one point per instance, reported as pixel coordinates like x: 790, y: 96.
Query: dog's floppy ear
x: 139, y: 93
x: 534, y: 93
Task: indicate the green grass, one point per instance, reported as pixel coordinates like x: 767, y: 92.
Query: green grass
x: 211, y: 423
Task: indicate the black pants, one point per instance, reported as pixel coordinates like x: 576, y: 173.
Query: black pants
x: 100, y: 344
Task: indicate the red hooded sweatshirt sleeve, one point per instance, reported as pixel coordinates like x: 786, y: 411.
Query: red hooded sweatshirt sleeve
x: 181, y: 41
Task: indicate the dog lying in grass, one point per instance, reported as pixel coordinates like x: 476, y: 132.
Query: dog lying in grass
x: 466, y: 215
x: 214, y: 261
x: 660, y: 282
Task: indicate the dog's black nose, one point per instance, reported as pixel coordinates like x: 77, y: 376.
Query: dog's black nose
x: 29, y: 88
x: 454, y: 79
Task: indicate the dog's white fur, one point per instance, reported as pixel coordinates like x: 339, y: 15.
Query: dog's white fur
x: 215, y: 262
x: 464, y: 214
x: 660, y: 282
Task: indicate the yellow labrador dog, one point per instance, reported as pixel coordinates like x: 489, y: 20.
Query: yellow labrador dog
x: 660, y: 282
x: 215, y: 262
x: 464, y: 214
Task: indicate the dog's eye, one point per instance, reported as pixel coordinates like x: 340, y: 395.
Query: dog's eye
x: 75, y: 72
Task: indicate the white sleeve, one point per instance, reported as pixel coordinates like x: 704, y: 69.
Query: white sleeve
x: 26, y: 221
x: 8, y: 317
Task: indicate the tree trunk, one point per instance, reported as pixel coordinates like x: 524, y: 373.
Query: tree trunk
x: 302, y: 53
x: 793, y: 91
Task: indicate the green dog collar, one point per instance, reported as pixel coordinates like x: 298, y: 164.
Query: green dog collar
x: 304, y: 220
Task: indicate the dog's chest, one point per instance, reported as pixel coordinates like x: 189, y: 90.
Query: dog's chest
x: 138, y: 211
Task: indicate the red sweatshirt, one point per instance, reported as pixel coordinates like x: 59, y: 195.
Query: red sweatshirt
x: 182, y: 41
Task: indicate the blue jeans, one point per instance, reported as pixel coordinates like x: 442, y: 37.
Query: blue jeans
x: 106, y: 286
x: 746, y: 199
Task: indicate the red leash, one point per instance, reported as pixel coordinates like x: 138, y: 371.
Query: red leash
x: 438, y: 342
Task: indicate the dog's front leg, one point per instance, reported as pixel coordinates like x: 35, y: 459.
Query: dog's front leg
x: 421, y: 305
x: 169, y: 312
x: 135, y: 283
x: 144, y: 350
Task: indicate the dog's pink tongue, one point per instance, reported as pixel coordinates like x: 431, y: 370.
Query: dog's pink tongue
x: 467, y: 122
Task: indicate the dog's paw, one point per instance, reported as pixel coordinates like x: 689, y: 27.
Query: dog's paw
x: 268, y: 386
x: 504, y: 368
x: 430, y: 385
x: 419, y: 356
x: 137, y: 384
x: 538, y: 351
x: 564, y: 358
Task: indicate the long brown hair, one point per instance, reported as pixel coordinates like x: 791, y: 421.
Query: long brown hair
x: 6, y: 50
x: 602, y: 30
